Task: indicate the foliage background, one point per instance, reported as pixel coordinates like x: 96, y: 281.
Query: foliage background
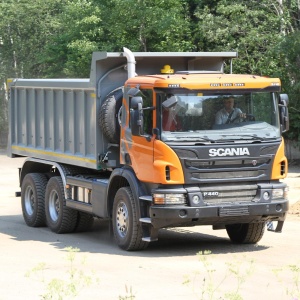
x: 56, y: 38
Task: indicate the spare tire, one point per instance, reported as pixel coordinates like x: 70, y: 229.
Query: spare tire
x: 108, y: 117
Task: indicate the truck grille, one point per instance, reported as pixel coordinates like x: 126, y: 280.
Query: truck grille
x: 228, y: 174
x: 229, y: 194
x: 202, y: 167
x: 229, y: 163
x: 226, y: 169
x: 233, y: 211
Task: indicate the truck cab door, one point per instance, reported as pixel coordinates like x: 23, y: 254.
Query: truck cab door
x: 137, y: 139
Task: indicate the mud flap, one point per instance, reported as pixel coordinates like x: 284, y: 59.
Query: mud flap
x: 278, y: 228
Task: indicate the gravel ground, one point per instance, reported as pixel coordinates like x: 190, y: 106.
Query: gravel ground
x: 34, y: 259
x: 293, y: 181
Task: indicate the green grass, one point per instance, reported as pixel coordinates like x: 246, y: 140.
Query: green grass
x: 72, y: 284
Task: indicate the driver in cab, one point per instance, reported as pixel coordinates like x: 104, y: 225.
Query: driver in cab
x: 229, y: 114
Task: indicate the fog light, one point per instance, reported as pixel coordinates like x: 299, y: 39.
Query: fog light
x: 279, y: 207
x: 266, y: 196
x: 182, y: 213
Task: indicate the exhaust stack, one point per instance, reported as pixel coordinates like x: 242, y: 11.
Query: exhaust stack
x: 130, y: 62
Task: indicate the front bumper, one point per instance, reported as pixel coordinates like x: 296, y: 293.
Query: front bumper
x: 174, y: 216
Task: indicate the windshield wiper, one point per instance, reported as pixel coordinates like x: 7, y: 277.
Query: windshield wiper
x: 189, y: 138
x: 247, y: 136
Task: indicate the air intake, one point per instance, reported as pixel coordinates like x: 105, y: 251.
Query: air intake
x: 282, y: 168
x: 168, y: 176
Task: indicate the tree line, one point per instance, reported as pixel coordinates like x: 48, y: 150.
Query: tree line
x: 56, y: 38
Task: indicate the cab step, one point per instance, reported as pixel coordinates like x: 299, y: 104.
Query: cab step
x: 145, y: 220
x: 146, y: 198
x: 149, y: 239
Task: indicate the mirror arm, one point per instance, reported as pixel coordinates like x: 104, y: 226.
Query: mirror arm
x: 149, y: 108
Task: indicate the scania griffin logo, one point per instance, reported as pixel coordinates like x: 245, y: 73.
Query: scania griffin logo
x: 229, y: 152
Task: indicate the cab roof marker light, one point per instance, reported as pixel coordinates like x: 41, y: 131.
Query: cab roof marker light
x: 167, y: 70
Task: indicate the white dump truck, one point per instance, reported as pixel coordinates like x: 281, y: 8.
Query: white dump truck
x: 139, y: 143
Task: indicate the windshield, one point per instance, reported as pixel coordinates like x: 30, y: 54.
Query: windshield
x: 204, y: 117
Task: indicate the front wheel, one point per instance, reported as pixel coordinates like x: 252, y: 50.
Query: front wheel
x: 60, y: 218
x: 246, y: 233
x: 126, y: 227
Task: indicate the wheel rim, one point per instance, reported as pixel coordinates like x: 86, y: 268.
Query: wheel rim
x: 54, y: 206
x: 29, y: 200
x: 122, y: 219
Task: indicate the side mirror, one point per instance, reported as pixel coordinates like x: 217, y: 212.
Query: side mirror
x: 133, y: 91
x: 136, y: 115
x: 283, y: 112
x: 284, y: 99
x: 136, y: 103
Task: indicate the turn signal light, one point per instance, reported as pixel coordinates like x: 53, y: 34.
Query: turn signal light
x: 162, y: 199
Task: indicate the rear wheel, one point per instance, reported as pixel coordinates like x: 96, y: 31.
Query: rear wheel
x: 84, y: 222
x: 126, y: 227
x: 60, y: 218
x: 246, y: 233
x: 33, y: 199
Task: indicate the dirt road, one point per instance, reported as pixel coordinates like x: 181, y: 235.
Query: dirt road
x: 35, y: 263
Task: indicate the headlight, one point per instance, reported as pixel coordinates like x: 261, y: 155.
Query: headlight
x: 280, y: 193
x: 178, y: 199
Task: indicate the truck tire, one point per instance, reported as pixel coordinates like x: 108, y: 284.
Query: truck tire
x: 108, y: 117
x: 126, y: 227
x: 246, y: 233
x: 59, y: 217
x: 84, y: 222
x: 33, y: 199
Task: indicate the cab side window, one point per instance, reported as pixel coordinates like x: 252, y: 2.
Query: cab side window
x: 147, y: 96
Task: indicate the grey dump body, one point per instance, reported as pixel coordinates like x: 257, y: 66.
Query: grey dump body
x: 57, y: 119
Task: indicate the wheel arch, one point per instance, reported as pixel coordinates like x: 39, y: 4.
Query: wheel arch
x: 122, y: 177
x: 33, y: 165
